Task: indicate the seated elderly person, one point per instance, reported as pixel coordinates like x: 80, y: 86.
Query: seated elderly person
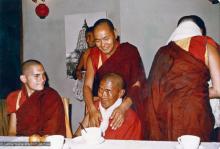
x: 110, y: 93
x: 35, y: 109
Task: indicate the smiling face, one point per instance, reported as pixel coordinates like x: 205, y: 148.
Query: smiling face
x: 109, y: 91
x: 34, y: 78
x: 105, y: 38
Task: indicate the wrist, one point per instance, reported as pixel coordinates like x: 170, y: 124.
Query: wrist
x: 123, y: 107
x: 91, y: 108
x: 126, y: 104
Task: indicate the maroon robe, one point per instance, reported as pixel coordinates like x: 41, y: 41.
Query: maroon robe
x: 130, y: 129
x: 178, y: 99
x: 126, y: 62
x: 42, y: 113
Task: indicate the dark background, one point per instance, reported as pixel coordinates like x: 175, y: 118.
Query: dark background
x: 10, y: 45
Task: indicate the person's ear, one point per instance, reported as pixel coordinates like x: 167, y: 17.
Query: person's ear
x: 23, y: 78
x: 121, y: 93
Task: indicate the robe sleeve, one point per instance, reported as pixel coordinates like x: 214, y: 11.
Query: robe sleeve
x: 131, y: 128
x: 134, y: 130
x: 53, y: 121
x: 137, y: 75
x: 11, y: 102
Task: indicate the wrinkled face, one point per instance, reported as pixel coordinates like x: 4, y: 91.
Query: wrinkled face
x: 34, y: 78
x: 108, y: 93
x: 90, y: 39
x: 105, y: 38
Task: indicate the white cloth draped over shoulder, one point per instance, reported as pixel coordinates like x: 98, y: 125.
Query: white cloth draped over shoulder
x: 185, y: 29
x: 106, y: 114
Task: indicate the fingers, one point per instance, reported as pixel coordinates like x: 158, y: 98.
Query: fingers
x: 94, y: 119
x: 100, y: 116
x: 118, y: 119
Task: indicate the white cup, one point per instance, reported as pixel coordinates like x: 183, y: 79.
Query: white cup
x: 92, y: 135
x: 189, y: 141
x: 56, y: 141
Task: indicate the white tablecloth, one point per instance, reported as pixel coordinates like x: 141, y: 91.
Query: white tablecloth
x: 107, y: 144
x: 131, y: 144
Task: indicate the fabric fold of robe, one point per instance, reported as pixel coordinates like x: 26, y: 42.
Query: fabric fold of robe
x: 126, y: 62
x: 130, y: 129
x: 178, y: 100
x: 42, y: 113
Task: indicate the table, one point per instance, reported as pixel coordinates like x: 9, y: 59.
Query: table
x: 131, y: 144
x: 107, y: 144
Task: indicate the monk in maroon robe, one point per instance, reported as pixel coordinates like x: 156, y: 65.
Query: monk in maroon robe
x: 178, y: 92
x: 111, y: 91
x: 35, y: 109
x: 131, y: 128
x: 124, y: 59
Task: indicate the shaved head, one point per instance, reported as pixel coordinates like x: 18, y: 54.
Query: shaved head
x: 104, y: 21
x: 115, y: 78
x: 111, y: 88
x: 25, y: 66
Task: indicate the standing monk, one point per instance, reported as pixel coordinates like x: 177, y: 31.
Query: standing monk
x: 111, y: 56
x: 178, y: 92
x: 35, y: 109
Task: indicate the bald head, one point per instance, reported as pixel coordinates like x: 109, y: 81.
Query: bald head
x: 104, y: 21
x: 25, y: 66
x: 116, y: 79
x: 111, y: 88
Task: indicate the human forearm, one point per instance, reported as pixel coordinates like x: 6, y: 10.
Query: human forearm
x: 81, y: 63
x: 127, y: 102
x: 214, y: 65
x: 118, y: 114
x: 88, y: 98
x: 213, y: 93
x: 85, y: 124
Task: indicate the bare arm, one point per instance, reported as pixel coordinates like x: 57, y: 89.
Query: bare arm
x: 80, y: 67
x: 134, y: 87
x: 12, y: 131
x: 119, y: 113
x: 214, y: 67
x: 85, y: 124
x: 94, y: 114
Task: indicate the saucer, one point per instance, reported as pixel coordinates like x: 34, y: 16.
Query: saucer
x: 81, y: 140
x: 178, y: 146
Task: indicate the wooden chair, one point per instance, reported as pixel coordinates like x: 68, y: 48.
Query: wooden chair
x: 4, y: 121
x: 67, y: 117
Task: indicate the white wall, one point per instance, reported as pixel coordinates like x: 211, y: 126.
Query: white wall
x: 44, y: 39
x: 144, y: 23
x: 148, y: 23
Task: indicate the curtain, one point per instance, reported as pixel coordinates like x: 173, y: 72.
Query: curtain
x: 10, y: 45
